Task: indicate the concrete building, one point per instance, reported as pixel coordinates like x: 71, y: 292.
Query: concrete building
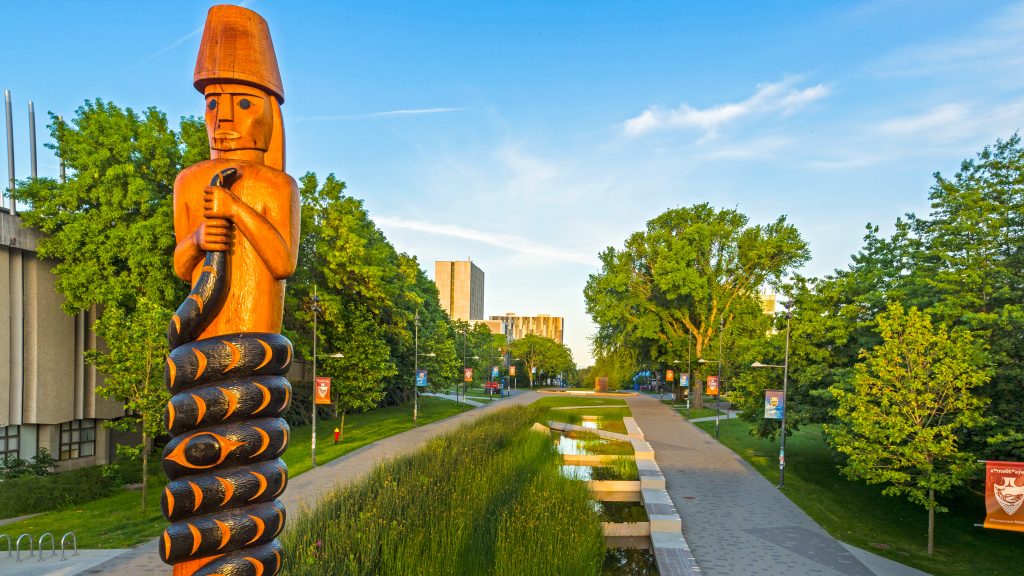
x: 460, y: 287
x: 541, y: 325
x: 47, y: 391
x: 495, y: 326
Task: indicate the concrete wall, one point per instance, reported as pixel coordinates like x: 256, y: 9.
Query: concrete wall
x: 43, y: 377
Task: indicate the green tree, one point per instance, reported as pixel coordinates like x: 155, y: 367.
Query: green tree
x: 913, y: 396
x: 542, y: 355
x: 686, y: 274
x: 109, y: 231
x: 133, y: 363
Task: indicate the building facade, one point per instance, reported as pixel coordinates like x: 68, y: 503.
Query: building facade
x: 460, y: 287
x: 542, y: 325
x: 47, y: 392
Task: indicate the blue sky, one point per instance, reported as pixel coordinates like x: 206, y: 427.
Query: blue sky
x: 531, y: 135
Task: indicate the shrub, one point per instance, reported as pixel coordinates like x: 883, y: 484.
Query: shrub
x: 31, y: 494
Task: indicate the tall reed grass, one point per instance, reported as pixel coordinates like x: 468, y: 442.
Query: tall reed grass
x: 486, y: 499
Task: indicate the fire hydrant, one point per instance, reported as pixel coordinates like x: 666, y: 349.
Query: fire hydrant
x: 337, y: 435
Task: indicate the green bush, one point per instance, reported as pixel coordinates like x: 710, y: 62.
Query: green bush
x: 487, y: 499
x: 31, y: 494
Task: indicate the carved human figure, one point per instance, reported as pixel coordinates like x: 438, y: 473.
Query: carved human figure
x: 236, y: 221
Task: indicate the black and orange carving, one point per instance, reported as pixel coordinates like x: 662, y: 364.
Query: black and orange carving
x: 236, y: 220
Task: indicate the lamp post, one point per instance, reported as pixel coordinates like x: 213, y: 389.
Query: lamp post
x: 718, y: 395
x: 785, y: 389
x: 315, y: 309
x: 416, y: 369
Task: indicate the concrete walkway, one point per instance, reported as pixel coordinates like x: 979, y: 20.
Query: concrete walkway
x: 734, y: 520
x: 305, y: 490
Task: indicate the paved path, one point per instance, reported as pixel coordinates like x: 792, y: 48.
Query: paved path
x: 735, y: 521
x: 305, y: 490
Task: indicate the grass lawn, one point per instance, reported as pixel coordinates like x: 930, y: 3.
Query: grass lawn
x: 117, y: 522
x: 859, y: 514
x: 561, y: 401
x: 693, y: 412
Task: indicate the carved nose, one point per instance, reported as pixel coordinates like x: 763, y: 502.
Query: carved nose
x: 226, y: 109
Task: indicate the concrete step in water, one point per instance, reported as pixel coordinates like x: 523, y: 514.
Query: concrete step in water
x: 632, y: 429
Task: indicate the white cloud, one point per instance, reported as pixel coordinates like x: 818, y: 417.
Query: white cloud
x: 778, y: 97
x: 489, y: 237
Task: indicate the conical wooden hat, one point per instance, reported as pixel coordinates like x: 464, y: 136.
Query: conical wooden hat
x: 236, y: 47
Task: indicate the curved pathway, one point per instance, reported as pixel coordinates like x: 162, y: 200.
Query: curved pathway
x: 735, y: 521
x: 306, y: 489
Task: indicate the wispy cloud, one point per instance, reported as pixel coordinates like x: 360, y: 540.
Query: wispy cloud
x: 175, y: 44
x: 490, y: 237
x: 782, y: 97
x: 997, y: 43
x: 384, y: 114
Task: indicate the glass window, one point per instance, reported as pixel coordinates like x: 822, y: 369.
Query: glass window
x: 77, y: 439
x: 10, y: 441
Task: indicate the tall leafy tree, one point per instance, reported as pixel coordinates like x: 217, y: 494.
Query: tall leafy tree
x: 110, y: 233
x: 542, y: 355
x: 686, y: 274
x: 913, y: 395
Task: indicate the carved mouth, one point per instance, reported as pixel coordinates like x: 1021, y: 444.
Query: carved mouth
x: 228, y: 134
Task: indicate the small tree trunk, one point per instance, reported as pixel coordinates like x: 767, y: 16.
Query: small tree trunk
x: 931, y: 521
x: 145, y: 467
x: 697, y: 393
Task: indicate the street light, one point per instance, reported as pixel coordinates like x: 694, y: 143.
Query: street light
x: 785, y: 389
x: 313, y: 306
x: 718, y: 395
x: 416, y: 369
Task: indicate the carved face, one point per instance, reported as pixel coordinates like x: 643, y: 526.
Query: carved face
x: 238, y: 117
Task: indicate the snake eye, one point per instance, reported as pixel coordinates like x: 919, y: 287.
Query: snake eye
x: 244, y: 103
x: 213, y: 104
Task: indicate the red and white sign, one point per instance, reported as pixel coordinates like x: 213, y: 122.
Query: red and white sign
x: 713, y: 385
x: 1004, y: 495
x: 322, y: 390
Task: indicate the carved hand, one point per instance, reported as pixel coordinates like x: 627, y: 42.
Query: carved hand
x: 219, y: 203
x: 214, y: 235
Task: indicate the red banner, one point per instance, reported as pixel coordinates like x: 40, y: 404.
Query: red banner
x: 468, y: 375
x: 512, y: 370
x: 1004, y: 494
x: 322, y: 390
x: 713, y: 385
x: 670, y: 375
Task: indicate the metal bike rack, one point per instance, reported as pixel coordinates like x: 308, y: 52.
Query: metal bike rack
x: 53, y: 546
x: 17, y: 547
x: 10, y: 551
x: 74, y: 542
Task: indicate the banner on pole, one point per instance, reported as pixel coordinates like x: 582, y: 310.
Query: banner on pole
x: 684, y: 380
x: 670, y: 375
x: 468, y: 375
x: 494, y: 372
x: 421, y: 378
x: 713, y: 385
x: 1004, y: 494
x: 322, y: 390
x: 512, y: 370
x: 774, y: 404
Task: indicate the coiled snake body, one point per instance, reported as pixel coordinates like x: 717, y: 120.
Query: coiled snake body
x: 223, y: 462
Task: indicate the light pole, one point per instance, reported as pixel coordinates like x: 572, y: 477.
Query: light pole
x: 315, y: 309
x: 416, y: 369
x: 785, y: 389
x: 718, y: 393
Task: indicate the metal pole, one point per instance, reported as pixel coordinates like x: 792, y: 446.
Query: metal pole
x: 689, y: 372
x: 416, y: 370
x: 10, y: 148
x: 785, y: 400
x: 63, y: 173
x: 316, y: 312
x: 463, y: 365
x: 32, y: 138
x: 718, y: 396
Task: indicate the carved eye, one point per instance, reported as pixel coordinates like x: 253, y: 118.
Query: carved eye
x: 213, y: 104
x: 244, y: 103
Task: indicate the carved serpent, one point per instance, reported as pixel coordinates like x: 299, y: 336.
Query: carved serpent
x: 228, y: 393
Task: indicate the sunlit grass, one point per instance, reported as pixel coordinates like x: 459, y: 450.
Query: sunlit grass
x: 859, y: 514
x: 488, y: 498
x: 117, y: 521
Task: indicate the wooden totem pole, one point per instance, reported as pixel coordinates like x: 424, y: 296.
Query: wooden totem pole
x: 236, y: 220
